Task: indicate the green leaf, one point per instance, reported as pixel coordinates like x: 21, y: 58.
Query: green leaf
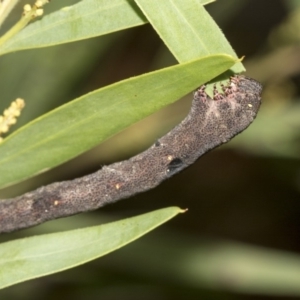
x: 187, y: 29
x: 210, y: 263
x: 86, y: 19
x: 83, y: 123
x: 42, y: 255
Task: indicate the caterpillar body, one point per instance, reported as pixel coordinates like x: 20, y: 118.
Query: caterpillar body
x: 210, y: 123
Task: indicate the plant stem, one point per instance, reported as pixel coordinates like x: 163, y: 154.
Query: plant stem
x: 17, y: 27
x: 5, y: 8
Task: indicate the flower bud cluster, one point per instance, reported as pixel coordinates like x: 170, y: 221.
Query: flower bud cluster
x: 10, y: 115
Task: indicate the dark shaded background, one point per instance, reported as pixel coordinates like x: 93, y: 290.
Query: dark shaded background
x: 246, y: 191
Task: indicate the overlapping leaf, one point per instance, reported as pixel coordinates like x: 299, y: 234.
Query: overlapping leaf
x: 85, y: 122
x: 86, y: 19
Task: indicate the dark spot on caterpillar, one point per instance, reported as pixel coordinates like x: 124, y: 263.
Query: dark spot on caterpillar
x: 210, y: 123
x: 174, y: 165
x: 157, y: 143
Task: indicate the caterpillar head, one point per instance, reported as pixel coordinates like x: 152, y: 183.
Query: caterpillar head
x: 232, y: 111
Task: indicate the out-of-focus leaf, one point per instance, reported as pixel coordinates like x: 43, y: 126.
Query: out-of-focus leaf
x: 218, y: 265
x: 275, y: 132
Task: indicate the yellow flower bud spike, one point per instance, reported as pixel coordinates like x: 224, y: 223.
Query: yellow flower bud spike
x: 10, y: 115
x: 29, y: 13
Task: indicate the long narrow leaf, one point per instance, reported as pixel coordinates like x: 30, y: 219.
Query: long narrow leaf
x: 42, y: 255
x: 85, y: 122
x: 187, y: 29
x: 86, y: 19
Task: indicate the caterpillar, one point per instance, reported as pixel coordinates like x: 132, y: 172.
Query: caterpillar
x: 210, y: 123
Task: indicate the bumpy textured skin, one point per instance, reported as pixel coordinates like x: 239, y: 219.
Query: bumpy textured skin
x: 210, y: 123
